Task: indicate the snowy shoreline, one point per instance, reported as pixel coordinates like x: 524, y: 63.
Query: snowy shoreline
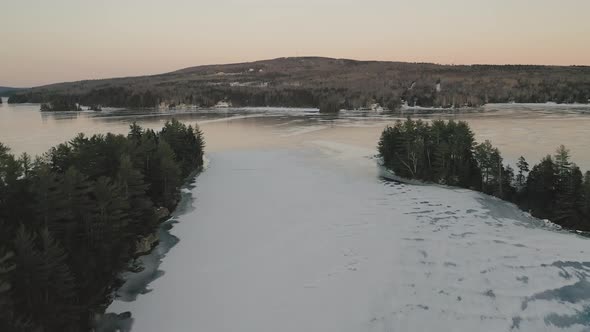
x: 391, y: 176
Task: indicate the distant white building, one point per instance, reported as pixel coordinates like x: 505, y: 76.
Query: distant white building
x: 376, y: 107
x: 222, y: 104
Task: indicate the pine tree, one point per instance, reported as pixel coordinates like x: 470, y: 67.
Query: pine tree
x: 10, y: 319
x: 508, y: 189
x: 463, y: 164
x: 26, y: 163
x: 48, y: 206
x: 135, y: 133
x: 104, y: 239
x: 483, y: 156
x: 134, y: 190
x: 541, y: 188
x: 61, y: 286
x: 28, y: 280
x: 562, y: 161
x: 392, y: 148
x: 523, y: 170
x: 73, y: 199
x: 441, y: 164
x: 43, y: 286
x: 168, y: 177
x: 564, y: 189
x: 490, y: 164
x: 7, y: 312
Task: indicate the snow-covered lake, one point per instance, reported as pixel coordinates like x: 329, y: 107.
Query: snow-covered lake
x: 290, y: 229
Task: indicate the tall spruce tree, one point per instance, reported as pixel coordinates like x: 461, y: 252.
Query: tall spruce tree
x: 43, y: 285
x: 168, y: 174
x: 7, y: 266
x: 567, y: 189
x: 541, y: 188
x: 134, y: 190
x: 523, y: 170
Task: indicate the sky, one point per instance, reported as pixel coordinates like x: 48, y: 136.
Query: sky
x: 44, y: 42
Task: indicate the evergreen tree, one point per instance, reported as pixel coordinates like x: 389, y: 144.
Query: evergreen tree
x: 567, y: 189
x: 26, y: 164
x: 569, y: 198
x: 48, y: 206
x: 6, y: 267
x: 492, y: 171
x: 43, y: 285
x: 523, y: 170
x: 104, y: 237
x: 562, y: 161
x: 508, y: 191
x: 464, y: 170
x: 10, y: 319
x: 167, y: 174
x: 135, y: 133
x: 74, y: 201
x: 134, y: 190
x: 541, y: 188
x: 186, y: 143
x: 61, y: 286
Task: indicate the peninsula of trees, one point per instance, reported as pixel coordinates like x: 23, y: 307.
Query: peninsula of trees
x: 329, y: 84
x: 446, y: 153
x: 71, y: 220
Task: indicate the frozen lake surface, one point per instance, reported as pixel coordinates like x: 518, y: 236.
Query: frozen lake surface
x: 290, y: 229
x: 285, y: 240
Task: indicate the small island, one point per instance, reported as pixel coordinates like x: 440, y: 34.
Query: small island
x: 61, y: 105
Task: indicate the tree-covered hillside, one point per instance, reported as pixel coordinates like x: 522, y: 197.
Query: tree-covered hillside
x: 313, y: 81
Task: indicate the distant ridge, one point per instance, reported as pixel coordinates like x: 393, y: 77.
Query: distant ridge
x: 306, y: 81
x: 6, y: 91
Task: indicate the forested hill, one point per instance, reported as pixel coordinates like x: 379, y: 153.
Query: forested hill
x: 308, y: 81
x: 7, y: 91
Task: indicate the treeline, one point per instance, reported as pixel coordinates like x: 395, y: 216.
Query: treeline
x: 446, y: 153
x: 72, y: 219
x: 107, y: 97
x: 478, y: 92
x: 451, y: 94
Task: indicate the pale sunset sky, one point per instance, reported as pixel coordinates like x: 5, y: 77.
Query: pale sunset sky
x: 48, y: 41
